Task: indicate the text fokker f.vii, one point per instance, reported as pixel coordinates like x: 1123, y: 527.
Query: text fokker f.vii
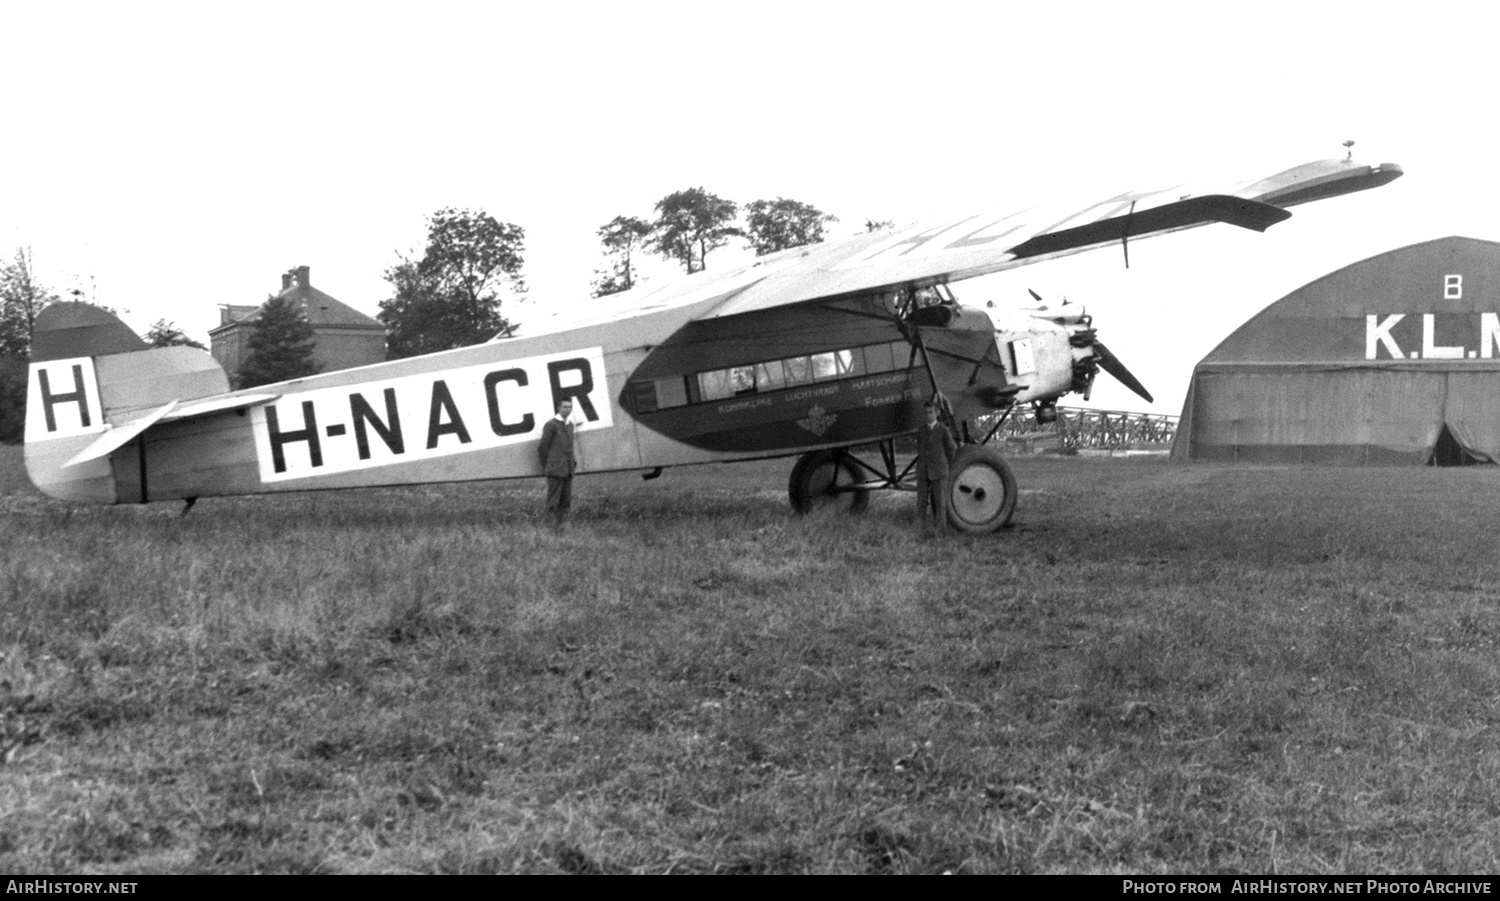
x: 811, y: 352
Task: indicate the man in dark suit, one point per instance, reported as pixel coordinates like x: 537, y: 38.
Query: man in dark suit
x: 558, y: 461
x: 935, y: 450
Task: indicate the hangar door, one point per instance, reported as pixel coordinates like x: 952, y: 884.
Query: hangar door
x: 1344, y: 415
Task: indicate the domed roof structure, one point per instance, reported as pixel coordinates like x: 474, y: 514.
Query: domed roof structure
x: 1394, y: 359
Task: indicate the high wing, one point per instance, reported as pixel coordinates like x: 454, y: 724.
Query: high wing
x: 978, y: 245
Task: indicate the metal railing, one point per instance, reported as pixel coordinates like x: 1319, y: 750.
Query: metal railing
x: 1077, y: 428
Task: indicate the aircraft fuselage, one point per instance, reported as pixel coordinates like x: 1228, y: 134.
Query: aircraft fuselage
x: 769, y: 383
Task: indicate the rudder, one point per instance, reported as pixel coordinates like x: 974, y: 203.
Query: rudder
x: 90, y: 374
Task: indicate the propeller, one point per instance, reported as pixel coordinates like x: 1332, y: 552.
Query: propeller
x: 1103, y: 357
x: 1112, y: 365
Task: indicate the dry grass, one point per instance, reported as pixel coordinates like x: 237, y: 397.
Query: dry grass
x: 1159, y: 669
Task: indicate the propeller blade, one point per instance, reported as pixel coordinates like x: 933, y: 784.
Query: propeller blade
x: 1112, y: 365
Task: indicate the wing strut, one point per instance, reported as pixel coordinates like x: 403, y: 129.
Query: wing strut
x: 926, y: 362
x: 945, y: 409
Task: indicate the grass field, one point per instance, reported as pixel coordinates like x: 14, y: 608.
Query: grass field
x: 1157, y: 669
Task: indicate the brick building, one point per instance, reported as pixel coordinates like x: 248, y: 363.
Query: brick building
x: 346, y: 337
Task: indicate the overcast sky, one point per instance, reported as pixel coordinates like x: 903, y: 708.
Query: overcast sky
x: 164, y: 158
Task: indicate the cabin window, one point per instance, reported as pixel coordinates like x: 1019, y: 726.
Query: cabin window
x: 742, y: 379
x: 671, y: 391
x: 645, y: 397
x: 798, y: 370
x: 824, y: 367
x: 905, y: 354
x: 836, y: 364
x: 770, y: 376
x: 715, y: 385
x: 887, y: 357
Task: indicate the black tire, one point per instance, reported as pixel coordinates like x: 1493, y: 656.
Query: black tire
x: 822, y: 479
x: 981, y: 490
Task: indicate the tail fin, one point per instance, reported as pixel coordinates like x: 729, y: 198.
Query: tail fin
x: 94, y: 385
x: 67, y: 330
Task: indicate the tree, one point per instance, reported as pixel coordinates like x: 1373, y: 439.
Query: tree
x: 166, y: 334
x: 620, y: 237
x: 421, y: 318
x: 690, y: 223
x: 773, y: 225
x: 452, y: 296
x: 21, y: 299
x: 13, y: 374
x: 470, y: 254
x: 281, y: 345
x: 878, y: 225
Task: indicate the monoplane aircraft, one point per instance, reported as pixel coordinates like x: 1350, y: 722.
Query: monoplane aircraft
x: 824, y: 352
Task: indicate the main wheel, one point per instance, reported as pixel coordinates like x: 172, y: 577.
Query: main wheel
x: 981, y: 489
x: 825, y: 479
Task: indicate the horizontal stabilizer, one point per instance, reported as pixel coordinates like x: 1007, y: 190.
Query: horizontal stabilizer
x: 118, y: 436
x: 1249, y: 214
x: 218, y: 405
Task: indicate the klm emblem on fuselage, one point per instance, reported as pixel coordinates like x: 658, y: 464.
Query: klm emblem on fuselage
x: 426, y: 415
x: 818, y: 420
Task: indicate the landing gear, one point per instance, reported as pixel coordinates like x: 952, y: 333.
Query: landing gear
x: 981, y: 490
x: 981, y: 487
x: 827, y: 480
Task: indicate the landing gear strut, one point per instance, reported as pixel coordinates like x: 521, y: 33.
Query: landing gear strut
x: 827, y: 479
x: 981, y: 487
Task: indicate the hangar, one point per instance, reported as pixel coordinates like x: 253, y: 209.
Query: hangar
x: 1394, y: 359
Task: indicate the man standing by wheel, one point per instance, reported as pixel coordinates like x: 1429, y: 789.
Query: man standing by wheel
x: 558, y: 461
x: 935, y: 450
